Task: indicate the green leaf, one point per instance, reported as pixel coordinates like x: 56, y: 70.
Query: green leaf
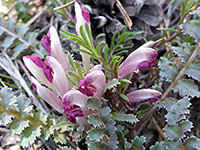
x: 173, y: 116
x: 187, y: 87
x: 59, y: 138
x: 96, y: 134
x: 95, y: 121
x: 125, y: 117
x: 168, y: 69
x: 111, y: 84
x: 176, y: 132
x: 193, y: 71
x: 11, y: 24
x: 31, y: 38
x: 105, y: 114
x: 98, y: 146
x: 167, y: 103
x: 184, y: 51
x: 17, y: 126
x: 29, y: 135
x: 137, y: 143
x: 23, y: 104
x: 192, y: 28
x: 192, y: 143
x: 171, y: 145
x: 8, y: 41
x: 124, y: 97
x: 93, y: 104
x: 5, y: 118
x: 19, y: 49
x: 158, y: 146
x: 75, y: 76
x: 21, y: 30
x: 7, y: 99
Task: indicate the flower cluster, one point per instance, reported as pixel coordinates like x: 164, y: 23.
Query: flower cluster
x: 50, y: 82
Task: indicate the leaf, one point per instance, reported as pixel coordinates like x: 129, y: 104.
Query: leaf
x: 8, y: 41
x: 10, y: 24
x: 171, y: 145
x: 168, y: 69
x: 125, y: 117
x: 173, y: 116
x: 176, y: 132
x: 5, y: 118
x: 95, y: 121
x: 167, y: 103
x: 196, y: 11
x: 17, y: 126
x: 59, y: 138
x: 193, y: 71
x: 184, y: 51
x: 137, y: 143
x: 192, y: 143
x: 96, y: 134
x: 31, y: 38
x: 104, y: 113
x: 111, y: 84
x: 19, y: 49
x: 98, y: 146
x: 192, y: 28
x: 124, y: 97
x: 158, y: 146
x: 29, y: 135
x: 21, y: 30
x: 7, y: 99
x: 23, y: 104
x: 187, y: 87
x: 93, y: 104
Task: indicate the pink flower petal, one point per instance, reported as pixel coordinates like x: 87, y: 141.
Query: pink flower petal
x: 139, y: 59
x: 59, y: 81
x: 144, y: 95
x: 49, y: 96
x: 35, y: 65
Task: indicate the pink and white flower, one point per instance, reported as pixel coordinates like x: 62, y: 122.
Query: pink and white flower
x: 93, y: 84
x: 52, y: 45
x: 143, y: 95
x: 75, y: 108
x: 81, y: 18
x: 138, y: 59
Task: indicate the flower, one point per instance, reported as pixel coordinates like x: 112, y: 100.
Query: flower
x: 49, y: 72
x: 75, y: 107
x: 52, y: 45
x: 49, y: 96
x: 81, y: 18
x: 138, y: 59
x: 59, y: 79
x: 143, y: 95
x: 36, y: 66
x: 93, y: 84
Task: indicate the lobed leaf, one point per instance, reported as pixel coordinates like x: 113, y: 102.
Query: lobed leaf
x: 158, y: 146
x: 96, y: 134
x: 192, y: 28
x: 168, y: 69
x: 193, y: 71
x: 176, y: 132
x: 137, y: 143
x: 124, y: 117
x: 187, y: 87
x: 93, y: 104
x: 95, y: 121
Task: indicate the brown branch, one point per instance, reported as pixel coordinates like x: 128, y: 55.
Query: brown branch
x: 158, y: 128
x: 66, y: 5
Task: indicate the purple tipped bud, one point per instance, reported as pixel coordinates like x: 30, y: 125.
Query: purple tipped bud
x: 52, y: 45
x: 139, y: 59
x: 35, y: 65
x: 143, y: 95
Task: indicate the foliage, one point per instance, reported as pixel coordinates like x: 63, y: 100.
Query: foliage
x: 115, y: 120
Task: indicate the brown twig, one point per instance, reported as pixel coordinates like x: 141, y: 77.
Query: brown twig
x: 124, y: 14
x: 158, y: 128
x: 66, y: 5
